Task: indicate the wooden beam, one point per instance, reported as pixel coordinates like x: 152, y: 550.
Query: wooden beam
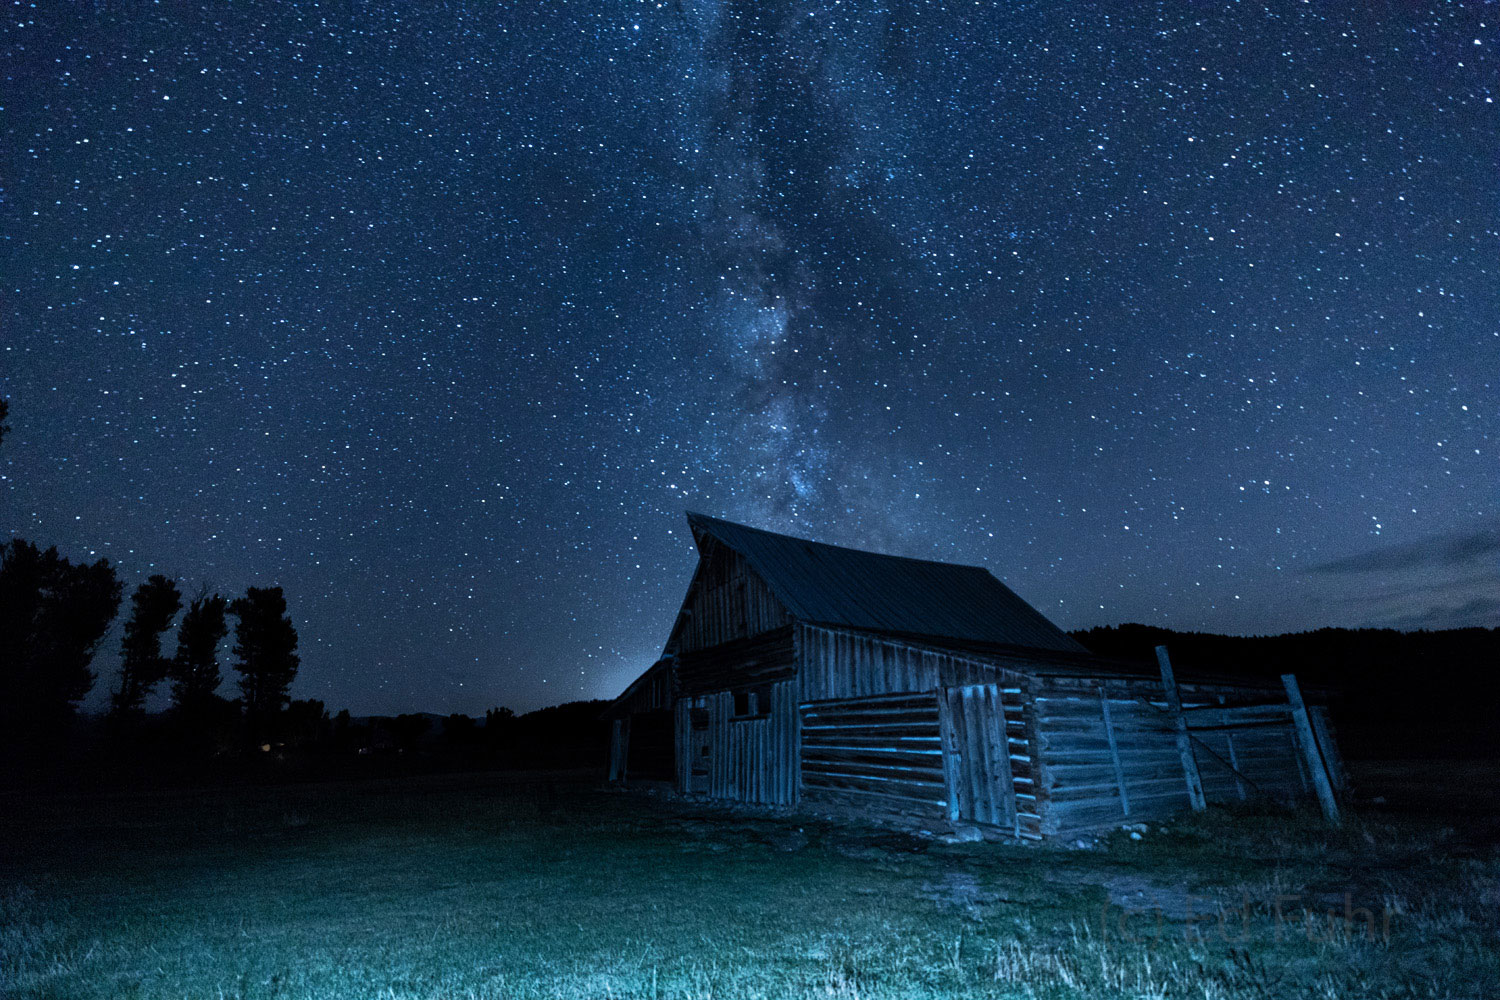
x: 1184, y: 741
x: 1234, y: 765
x: 1114, y: 752
x: 1231, y: 765
x: 1319, y: 717
x: 972, y: 733
x: 998, y: 751
x: 1226, y: 716
x: 1315, y: 765
x: 617, y: 751
x: 952, y: 763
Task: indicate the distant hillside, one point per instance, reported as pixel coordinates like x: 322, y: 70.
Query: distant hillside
x: 1428, y: 694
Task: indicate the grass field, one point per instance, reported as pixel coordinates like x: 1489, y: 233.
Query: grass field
x: 521, y: 886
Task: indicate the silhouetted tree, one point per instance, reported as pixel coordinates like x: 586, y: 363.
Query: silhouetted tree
x: 1378, y: 708
x: 344, y: 731
x: 406, y: 730
x: 568, y: 734
x: 152, y: 608
x: 265, y: 644
x: 306, y: 723
x: 459, y: 731
x: 53, y: 615
x: 499, y: 729
x: 195, y: 669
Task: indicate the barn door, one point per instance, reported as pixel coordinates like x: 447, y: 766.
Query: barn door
x: 976, y: 756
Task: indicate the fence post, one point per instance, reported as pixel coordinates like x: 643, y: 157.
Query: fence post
x: 1114, y: 752
x: 1315, y: 765
x: 1184, y: 742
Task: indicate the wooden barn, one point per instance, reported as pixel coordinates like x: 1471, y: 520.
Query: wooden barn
x: 799, y: 673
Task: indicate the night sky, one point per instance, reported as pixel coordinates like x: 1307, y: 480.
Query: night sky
x: 441, y: 315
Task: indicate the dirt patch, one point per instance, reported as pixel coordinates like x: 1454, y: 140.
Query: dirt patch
x: 1135, y: 894
x: 960, y: 890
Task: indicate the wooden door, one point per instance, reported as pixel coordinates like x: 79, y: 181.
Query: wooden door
x: 976, y: 756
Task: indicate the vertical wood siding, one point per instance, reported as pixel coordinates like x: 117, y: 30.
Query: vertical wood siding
x: 681, y: 727
x: 728, y: 601
x: 835, y: 663
x: 989, y: 779
x: 750, y: 759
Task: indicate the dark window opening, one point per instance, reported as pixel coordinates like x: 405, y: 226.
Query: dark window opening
x: 753, y: 703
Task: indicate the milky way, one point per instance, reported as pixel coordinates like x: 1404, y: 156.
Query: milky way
x: 441, y: 315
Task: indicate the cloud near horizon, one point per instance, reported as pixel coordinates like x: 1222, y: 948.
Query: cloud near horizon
x: 1457, y: 548
x: 1444, y: 581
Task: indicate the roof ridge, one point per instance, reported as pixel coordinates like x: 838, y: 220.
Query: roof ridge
x: 696, y: 516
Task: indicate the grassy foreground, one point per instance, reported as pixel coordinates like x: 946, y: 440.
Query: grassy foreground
x: 495, y: 886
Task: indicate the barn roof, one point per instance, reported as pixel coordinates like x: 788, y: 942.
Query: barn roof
x: 833, y: 585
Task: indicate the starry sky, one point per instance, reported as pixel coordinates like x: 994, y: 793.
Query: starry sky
x: 441, y: 315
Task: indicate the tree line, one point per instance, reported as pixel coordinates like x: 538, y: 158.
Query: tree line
x: 1393, y: 694
x: 55, y: 614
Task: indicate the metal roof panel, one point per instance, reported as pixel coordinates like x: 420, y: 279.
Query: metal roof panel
x: 833, y: 585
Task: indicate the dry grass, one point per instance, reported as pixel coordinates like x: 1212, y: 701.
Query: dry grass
x: 479, y: 888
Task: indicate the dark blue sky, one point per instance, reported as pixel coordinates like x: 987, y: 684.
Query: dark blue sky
x: 441, y: 315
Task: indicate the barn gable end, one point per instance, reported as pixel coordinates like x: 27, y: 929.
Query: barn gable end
x: 727, y: 601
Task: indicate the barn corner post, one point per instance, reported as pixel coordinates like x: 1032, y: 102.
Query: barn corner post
x: 614, y: 751
x: 1184, y: 740
x: 1316, y: 765
x: 619, y: 749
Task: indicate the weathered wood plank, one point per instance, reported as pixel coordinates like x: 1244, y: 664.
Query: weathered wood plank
x: 1318, y: 770
x: 1235, y: 715
x: 1323, y: 730
x: 870, y: 702
x: 862, y: 804
x: 915, y: 791
x: 953, y: 764
x: 896, y: 728
x: 1114, y: 753
x: 873, y: 742
x: 921, y: 776
x: 980, y: 787
x: 893, y: 758
x: 1184, y: 742
x: 998, y: 750
x: 1109, y: 791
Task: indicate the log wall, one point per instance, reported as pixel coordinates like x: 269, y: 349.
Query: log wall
x: 876, y: 754
x: 854, y: 724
